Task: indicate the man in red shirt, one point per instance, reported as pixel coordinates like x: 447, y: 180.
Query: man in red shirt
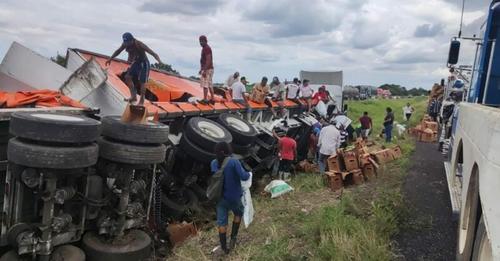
x: 366, y: 125
x: 287, y: 153
x: 206, y: 70
x: 321, y: 95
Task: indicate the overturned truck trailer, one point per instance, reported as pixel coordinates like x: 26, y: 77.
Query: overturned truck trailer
x: 176, y: 188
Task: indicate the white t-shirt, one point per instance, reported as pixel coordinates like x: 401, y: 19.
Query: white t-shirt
x: 329, y: 140
x: 407, y: 109
x: 342, y: 120
x: 306, y: 91
x: 231, y: 80
x: 292, y: 91
x: 238, y: 90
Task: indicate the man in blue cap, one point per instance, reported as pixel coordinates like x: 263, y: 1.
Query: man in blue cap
x: 139, y: 69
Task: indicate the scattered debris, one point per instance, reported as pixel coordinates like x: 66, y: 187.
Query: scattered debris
x: 277, y: 188
x: 179, y: 232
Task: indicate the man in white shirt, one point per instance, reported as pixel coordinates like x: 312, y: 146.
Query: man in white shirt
x: 306, y: 93
x: 328, y: 143
x: 293, y: 89
x: 239, y: 90
x: 233, y: 78
x: 408, y: 110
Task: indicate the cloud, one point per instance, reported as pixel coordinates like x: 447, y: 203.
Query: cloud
x: 428, y: 30
x: 186, y: 7
x: 302, y: 17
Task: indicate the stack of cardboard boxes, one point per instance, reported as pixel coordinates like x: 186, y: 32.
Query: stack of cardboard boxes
x: 355, y: 166
x: 426, y: 131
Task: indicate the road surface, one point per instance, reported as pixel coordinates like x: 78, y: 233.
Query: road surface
x: 430, y: 233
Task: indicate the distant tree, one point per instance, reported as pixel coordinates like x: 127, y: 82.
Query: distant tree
x: 59, y: 59
x: 165, y: 67
x: 194, y: 78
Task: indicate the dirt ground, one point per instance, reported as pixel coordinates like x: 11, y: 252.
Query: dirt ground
x: 431, y: 234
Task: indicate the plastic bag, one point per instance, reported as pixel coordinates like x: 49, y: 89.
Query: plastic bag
x: 321, y: 108
x: 277, y: 188
x: 246, y: 200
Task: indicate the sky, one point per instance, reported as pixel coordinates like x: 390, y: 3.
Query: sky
x: 372, y: 41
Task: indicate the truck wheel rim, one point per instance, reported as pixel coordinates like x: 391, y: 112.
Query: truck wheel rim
x: 238, y: 124
x: 57, y: 117
x: 211, y: 130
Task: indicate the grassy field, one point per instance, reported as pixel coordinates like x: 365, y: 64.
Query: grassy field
x: 313, y: 223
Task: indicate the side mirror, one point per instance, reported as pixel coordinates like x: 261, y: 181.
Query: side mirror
x: 454, y: 51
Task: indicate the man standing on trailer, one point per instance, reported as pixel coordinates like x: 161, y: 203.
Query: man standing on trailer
x: 139, y: 69
x: 206, y: 70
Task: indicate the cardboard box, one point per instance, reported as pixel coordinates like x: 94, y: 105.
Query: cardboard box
x: 357, y: 177
x: 383, y: 156
x: 334, y: 180
x: 179, y: 232
x: 369, y: 171
x: 396, y: 152
x: 428, y: 136
x: 431, y: 125
x: 350, y: 161
x: 345, y: 174
x: 334, y: 164
x: 364, y: 159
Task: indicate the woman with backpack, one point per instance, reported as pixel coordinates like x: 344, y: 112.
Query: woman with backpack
x: 232, y: 173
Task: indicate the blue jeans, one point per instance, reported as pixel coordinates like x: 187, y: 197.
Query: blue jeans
x: 322, y: 163
x: 388, y: 133
x: 223, y: 208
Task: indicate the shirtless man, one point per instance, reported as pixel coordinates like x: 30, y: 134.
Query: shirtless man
x: 139, y: 69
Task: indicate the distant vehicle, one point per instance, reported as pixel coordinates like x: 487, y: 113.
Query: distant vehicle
x: 471, y: 139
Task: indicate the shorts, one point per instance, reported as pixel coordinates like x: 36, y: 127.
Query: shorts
x: 139, y: 70
x: 365, y: 132
x: 206, y: 81
x: 223, y: 208
x: 285, y: 165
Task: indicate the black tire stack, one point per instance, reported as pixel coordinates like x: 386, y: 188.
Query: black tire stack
x: 136, y: 144
x: 244, y: 134
x: 53, y: 141
x: 200, y: 136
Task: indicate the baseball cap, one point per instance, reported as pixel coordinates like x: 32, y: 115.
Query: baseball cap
x: 127, y: 37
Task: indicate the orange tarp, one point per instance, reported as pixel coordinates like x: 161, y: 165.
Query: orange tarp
x: 41, y: 98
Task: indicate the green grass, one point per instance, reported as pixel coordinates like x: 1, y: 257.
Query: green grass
x: 313, y: 223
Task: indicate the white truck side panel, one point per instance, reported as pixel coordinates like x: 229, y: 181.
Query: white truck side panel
x: 478, y: 129
x: 33, y: 69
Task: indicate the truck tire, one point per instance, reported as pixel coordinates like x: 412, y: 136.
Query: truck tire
x: 206, y: 133
x: 134, y: 245
x: 242, y: 150
x: 150, y: 133
x: 196, y: 152
x: 52, y: 127
x: 51, y: 157
x: 131, y: 153
x: 62, y: 253
x: 242, y: 131
x: 67, y: 252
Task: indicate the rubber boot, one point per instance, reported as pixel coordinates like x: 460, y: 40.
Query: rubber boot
x: 223, y: 242
x: 234, y: 234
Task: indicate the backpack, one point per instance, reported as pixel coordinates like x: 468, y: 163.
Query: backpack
x: 216, y: 183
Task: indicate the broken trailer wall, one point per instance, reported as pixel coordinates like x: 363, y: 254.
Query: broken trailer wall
x: 23, y: 65
x: 89, y: 85
x: 333, y: 81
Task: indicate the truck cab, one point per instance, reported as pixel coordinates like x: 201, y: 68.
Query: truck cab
x: 473, y: 163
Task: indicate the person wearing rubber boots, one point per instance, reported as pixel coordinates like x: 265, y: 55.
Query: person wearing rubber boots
x: 287, y: 153
x: 139, y: 69
x: 232, y: 192
x: 206, y: 70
